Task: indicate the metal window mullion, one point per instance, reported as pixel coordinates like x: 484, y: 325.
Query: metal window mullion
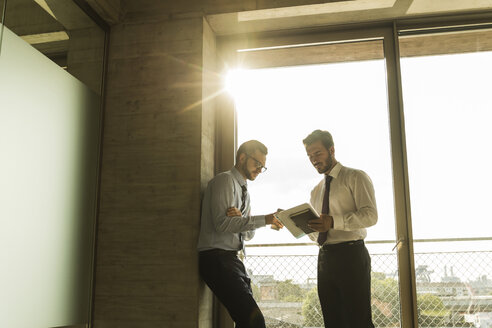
x: 3, y: 10
x: 406, y: 266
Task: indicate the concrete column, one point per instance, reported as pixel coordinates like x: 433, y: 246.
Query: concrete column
x: 157, y: 156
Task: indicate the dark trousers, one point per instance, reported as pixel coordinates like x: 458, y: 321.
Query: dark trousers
x: 226, y: 276
x: 344, y: 285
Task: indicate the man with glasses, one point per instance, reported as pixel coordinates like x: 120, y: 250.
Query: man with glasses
x: 225, y: 224
x: 345, y: 198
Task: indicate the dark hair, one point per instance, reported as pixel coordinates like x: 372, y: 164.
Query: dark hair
x: 249, y: 147
x: 316, y: 135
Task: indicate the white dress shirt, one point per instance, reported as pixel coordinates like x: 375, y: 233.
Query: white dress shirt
x: 352, y: 204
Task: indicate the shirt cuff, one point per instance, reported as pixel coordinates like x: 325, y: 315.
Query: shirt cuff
x: 338, y: 222
x: 313, y: 236
x: 259, y: 221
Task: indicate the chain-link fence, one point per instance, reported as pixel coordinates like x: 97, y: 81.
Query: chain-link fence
x: 454, y: 289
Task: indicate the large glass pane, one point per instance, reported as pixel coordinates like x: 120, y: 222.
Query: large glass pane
x: 280, y: 107
x: 50, y: 108
x: 447, y: 80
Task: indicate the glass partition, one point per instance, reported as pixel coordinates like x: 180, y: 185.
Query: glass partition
x: 51, y: 65
x: 446, y: 79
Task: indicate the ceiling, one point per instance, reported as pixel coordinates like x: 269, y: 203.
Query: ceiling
x: 337, y: 13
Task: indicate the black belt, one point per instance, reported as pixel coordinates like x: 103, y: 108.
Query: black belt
x: 342, y: 244
x: 217, y: 251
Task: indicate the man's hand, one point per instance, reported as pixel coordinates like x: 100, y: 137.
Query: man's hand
x: 323, y: 224
x: 233, y: 211
x: 275, y: 223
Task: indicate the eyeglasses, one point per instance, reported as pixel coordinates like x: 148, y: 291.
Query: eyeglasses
x: 258, y: 164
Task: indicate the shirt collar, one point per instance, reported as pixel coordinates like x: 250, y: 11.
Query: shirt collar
x: 335, y: 170
x: 242, y: 181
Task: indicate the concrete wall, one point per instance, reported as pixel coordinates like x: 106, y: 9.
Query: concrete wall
x: 146, y: 268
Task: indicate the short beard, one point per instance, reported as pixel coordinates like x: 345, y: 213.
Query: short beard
x: 329, y: 165
x: 244, y: 168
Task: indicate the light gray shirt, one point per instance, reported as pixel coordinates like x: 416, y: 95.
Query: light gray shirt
x: 217, y: 230
x: 352, y: 204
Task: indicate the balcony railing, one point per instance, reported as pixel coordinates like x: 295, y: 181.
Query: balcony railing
x: 454, y: 289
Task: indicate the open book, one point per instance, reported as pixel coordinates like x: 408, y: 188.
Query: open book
x: 296, y: 219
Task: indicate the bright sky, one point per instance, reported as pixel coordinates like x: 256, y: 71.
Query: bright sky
x: 448, y: 111
x: 280, y: 107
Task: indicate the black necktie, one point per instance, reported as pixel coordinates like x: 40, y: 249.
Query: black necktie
x: 325, y: 208
x: 243, y: 205
x: 243, y: 197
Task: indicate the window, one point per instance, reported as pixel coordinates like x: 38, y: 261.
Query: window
x: 412, y: 146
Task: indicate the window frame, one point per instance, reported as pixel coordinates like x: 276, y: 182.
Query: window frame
x: 389, y: 32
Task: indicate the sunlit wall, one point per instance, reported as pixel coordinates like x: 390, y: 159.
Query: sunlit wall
x: 49, y: 128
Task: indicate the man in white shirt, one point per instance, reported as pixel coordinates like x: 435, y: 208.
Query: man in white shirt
x: 347, y: 209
